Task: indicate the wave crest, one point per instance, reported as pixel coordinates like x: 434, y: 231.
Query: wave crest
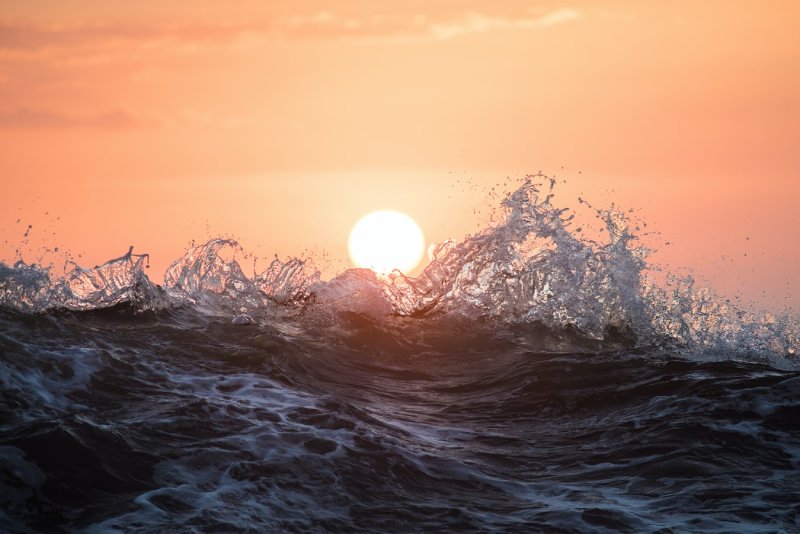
x: 532, y: 267
x: 29, y: 288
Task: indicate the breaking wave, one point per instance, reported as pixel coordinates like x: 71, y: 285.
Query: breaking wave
x: 533, y: 267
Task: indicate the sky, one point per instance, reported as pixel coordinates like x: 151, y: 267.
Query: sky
x: 281, y: 123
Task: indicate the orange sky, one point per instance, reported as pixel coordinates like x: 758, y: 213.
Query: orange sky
x: 281, y: 123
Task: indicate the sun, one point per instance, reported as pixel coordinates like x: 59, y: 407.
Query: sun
x: 386, y: 240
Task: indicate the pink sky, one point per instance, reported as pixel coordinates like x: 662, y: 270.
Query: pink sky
x: 282, y: 123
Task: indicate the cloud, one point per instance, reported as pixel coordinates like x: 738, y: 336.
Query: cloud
x: 326, y: 24
x: 22, y: 39
x: 36, y: 38
x: 480, y: 23
x: 27, y: 118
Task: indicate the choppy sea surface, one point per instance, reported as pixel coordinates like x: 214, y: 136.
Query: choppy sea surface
x: 530, y: 379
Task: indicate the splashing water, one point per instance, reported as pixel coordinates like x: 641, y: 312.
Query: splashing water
x: 530, y: 268
x: 121, y: 280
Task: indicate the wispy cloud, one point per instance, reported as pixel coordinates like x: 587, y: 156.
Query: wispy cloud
x: 26, y: 39
x: 27, y: 118
x: 22, y: 40
x: 480, y: 23
x: 326, y: 24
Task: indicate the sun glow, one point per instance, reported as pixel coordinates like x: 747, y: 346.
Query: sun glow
x: 386, y: 240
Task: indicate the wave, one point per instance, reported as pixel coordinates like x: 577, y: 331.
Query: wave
x: 532, y: 269
x: 529, y: 378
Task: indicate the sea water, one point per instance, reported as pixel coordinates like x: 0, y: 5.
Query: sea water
x: 529, y: 379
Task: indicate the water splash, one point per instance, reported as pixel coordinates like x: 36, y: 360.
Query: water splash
x: 25, y: 287
x: 205, y: 276
x: 210, y: 274
x: 290, y: 283
x: 29, y: 288
x: 531, y: 267
x: 116, y: 281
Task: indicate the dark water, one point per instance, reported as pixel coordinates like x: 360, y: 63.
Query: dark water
x: 177, y: 421
x: 530, y: 379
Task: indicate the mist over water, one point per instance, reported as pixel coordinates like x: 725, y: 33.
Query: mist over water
x: 529, y: 378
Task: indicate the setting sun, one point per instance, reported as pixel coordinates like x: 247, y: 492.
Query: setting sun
x: 386, y: 240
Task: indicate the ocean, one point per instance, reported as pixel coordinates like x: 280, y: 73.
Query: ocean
x: 529, y: 380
